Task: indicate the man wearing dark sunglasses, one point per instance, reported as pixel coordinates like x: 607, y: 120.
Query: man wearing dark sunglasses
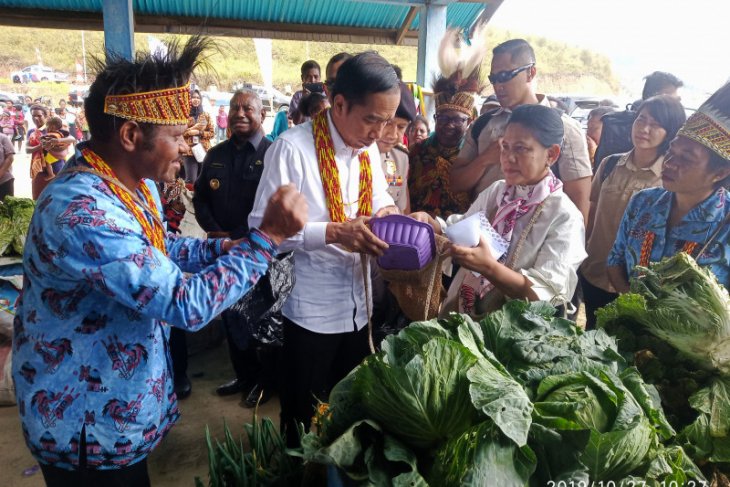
x: 512, y: 76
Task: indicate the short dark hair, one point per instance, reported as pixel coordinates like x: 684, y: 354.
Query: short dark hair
x: 147, y: 72
x: 38, y: 106
x: 600, y: 111
x: 669, y: 113
x: 340, y: 56
x: 247, y: 92
x: 519, y: 50
x: 311, y: 64
x: 419, y: 119
x: 309, y: 102
x: 55, y: 122
x: 657, y: 80
x: 398, y: 71
x: 364, y: 74
x: 545, y: 123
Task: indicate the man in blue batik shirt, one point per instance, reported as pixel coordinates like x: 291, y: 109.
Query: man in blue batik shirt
x: 104, y: 281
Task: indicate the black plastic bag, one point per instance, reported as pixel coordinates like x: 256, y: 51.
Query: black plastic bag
x: 257, y: 314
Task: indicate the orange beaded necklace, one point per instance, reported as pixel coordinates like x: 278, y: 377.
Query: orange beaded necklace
x: 331, y: 176
x: 155, y: 231
x: 648, y: 244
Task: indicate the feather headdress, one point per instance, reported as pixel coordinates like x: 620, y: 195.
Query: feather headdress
x: 710, y: 124
x: 460, y: 80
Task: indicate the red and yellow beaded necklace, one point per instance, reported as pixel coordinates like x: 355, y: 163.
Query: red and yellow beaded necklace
x: 331, y: 176
x: 648, y: 244
x: 155, y: 232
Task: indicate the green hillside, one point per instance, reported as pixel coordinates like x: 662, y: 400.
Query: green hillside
x: 562, y: 68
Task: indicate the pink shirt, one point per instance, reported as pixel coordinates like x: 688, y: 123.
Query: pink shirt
x: 222, y: 120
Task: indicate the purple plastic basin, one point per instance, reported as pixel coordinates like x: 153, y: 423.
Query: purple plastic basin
x: 412, y: 244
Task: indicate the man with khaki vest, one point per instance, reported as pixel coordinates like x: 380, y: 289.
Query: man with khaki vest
x: 477, y: 166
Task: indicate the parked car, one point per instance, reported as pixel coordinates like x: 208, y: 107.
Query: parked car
x: 580, y: 106
x: 37, y: 72
x: 281, y: 101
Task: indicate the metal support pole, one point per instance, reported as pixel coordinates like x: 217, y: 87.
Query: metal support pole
x: 431, y: 29
x: 119, y: 28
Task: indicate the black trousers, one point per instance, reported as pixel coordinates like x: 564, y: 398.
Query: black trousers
x: 313, y: 364
x: 7, y: 189
x: 178, y: 352
x: 594, y: 298
x: 131, y: 476
x: 245, y: 361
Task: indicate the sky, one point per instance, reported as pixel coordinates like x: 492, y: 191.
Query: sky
x: 690, y: 39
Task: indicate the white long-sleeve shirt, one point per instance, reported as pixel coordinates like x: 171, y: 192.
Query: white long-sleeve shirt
x: 551, y: 254
x: 329, y: 293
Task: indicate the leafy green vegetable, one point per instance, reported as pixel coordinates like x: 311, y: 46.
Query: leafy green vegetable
x: 15, y: 216
x: 265, y: 462
x: 481, y: 457
x: 520, y: 398
x: 675, y: 326
x: 620, y: 433
x: 682, y: 304
x: 707, y: 437
x: 366, y: 454
x: 421, y: 399
x: 501, y: 398
x: 6, y: 234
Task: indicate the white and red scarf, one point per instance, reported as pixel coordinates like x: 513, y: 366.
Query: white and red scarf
x: 516, y: 202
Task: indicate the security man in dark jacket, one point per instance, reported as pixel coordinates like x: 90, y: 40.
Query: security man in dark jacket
x: 226, y: 188
x: 224, y: 196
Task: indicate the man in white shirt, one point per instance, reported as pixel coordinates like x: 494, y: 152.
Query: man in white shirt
x: 334, y: 162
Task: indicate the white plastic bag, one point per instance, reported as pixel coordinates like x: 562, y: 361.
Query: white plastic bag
x: 198, y: 152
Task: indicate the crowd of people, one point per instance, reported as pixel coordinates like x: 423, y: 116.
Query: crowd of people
x: 106, y: 273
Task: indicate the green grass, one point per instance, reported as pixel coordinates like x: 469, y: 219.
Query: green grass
x: 562, y: 68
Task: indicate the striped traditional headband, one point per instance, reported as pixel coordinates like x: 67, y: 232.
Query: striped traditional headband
x: 170, y: 106
x: 462, y: 101
x: 704, y: 129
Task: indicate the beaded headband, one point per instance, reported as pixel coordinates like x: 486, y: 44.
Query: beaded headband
x: 170, y: 106
x: 461, y: 101
x: 706, y: 129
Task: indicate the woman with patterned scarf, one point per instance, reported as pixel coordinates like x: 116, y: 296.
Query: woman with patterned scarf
x: 200, y: 131
x: 530, y: 211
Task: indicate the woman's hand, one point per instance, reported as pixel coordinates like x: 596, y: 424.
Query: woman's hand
x: 424, y: 217
x: 387, y: 210
x: 478, y: 259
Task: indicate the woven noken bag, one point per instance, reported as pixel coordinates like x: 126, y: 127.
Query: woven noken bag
x: 419, y: 293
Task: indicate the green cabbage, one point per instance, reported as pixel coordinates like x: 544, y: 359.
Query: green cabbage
x: 6, y: 234
x: 682, y: 304
x: 520, y: 398
x: 481, y: 456
x: 620, y: 433
x: 675, y: 326
x: 18, y: 212
x: 429, y: 392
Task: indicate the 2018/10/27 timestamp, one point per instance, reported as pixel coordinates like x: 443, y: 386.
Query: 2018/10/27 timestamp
x: 625, y: 483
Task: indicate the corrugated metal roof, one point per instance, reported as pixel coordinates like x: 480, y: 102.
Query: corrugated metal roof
x: 334, y: 13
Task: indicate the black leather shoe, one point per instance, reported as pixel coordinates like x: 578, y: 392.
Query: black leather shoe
x: 257, y: 395
x: 229, y: 388
x: 183, y: 387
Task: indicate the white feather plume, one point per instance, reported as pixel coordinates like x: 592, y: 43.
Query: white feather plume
x: 455, y: 55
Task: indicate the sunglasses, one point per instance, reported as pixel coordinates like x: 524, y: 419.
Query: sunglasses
x: 504, y: 76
